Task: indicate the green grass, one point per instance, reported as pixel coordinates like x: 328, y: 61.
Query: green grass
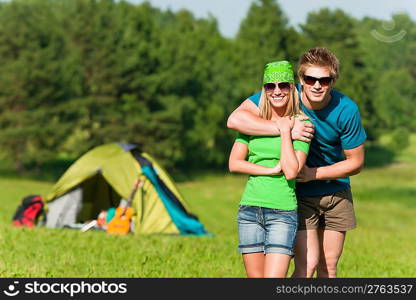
x: 383, y: 245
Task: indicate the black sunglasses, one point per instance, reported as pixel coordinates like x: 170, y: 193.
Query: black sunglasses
x: 310, y: 80
x: 282, y: 86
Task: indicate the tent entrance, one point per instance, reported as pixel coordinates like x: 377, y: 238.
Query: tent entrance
x: 83, y: 203
x: 97, y: 195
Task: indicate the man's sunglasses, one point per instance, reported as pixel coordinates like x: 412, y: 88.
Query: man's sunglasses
x: 283, y: 86
x: 310, y: 80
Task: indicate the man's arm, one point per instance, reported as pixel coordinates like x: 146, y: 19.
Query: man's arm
x: 352, y: 165
x: 245, y: 119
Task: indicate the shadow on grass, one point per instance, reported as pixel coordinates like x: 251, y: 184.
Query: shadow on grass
x: 196, y: 174
x: 404, y: 196
x: 48, y: 171
x: 378, y: 156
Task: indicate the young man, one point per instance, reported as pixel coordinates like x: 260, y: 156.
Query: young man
x: 325, y: 204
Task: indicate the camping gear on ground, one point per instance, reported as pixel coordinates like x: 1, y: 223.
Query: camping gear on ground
x: 87, y: 226
x: 101, y: 223
x: 28, y: 213
x: 101, y: 219
x: 110, y: 214
x: 102, y: 177
x: 120, y: 224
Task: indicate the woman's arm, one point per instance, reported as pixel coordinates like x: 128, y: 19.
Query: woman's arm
x: 288, y: 159
x: 237, y: 162
x: 291, y: 161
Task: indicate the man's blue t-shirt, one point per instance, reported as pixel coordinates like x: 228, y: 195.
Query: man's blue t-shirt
x: 337, y: 127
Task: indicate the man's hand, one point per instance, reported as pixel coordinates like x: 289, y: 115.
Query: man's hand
x: 302, y: 131
x: 306, y: 174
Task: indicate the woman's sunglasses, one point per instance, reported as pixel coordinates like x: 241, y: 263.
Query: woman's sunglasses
x: 310, y: 80
x: 283, y: 86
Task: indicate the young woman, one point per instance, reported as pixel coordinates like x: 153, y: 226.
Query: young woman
x: 267, y: 215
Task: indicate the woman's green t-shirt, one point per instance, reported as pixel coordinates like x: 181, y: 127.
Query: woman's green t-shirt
x: 271, y: 191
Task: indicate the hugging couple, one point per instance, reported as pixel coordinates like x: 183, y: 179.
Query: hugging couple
x: 299, y: 143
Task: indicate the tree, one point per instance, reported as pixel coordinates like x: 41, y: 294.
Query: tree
x: 264, y: 36
x: 34, y: 78
x: 388, y: 53
x: 394, y: 99
x: 337, y: 31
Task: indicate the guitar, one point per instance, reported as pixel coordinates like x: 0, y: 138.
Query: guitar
x: 120, y: 224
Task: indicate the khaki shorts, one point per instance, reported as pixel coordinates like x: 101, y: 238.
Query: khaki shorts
x: 329, y: 212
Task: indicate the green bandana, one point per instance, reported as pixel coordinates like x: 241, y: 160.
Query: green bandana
x: 278, y: 71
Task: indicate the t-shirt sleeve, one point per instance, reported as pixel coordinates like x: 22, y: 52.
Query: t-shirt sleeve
x: 255, y: 98
x: 301, y: 146
x: 242, y: 138
x: 353, y: 134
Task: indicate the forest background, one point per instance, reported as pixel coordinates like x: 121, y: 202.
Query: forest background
x: 77, y: 74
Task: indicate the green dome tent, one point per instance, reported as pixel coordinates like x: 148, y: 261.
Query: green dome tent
x: 105, y: 175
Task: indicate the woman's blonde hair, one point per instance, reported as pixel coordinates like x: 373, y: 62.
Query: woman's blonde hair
x: 292, y: 108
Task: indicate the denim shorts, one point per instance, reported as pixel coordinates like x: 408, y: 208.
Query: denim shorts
x: 266, y: 230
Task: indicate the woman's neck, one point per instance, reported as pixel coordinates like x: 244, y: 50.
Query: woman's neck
x: 278, y: 113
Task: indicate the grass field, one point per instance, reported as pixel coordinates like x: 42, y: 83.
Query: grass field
x: 383, y: 245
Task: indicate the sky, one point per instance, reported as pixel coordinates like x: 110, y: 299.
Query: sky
x: 229, y: 13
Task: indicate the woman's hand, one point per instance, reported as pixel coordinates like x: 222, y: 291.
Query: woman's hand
x: 276, y: 170
x: 285, y: 124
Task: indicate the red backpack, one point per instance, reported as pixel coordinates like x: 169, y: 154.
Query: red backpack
x: 29, y: 211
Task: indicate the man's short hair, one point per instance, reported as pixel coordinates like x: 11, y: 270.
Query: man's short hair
x: 320, y: 57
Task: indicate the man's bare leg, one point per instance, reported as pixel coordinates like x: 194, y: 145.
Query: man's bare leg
x: 331, y: 244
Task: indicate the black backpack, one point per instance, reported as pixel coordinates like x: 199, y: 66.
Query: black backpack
x: 28, y: 213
